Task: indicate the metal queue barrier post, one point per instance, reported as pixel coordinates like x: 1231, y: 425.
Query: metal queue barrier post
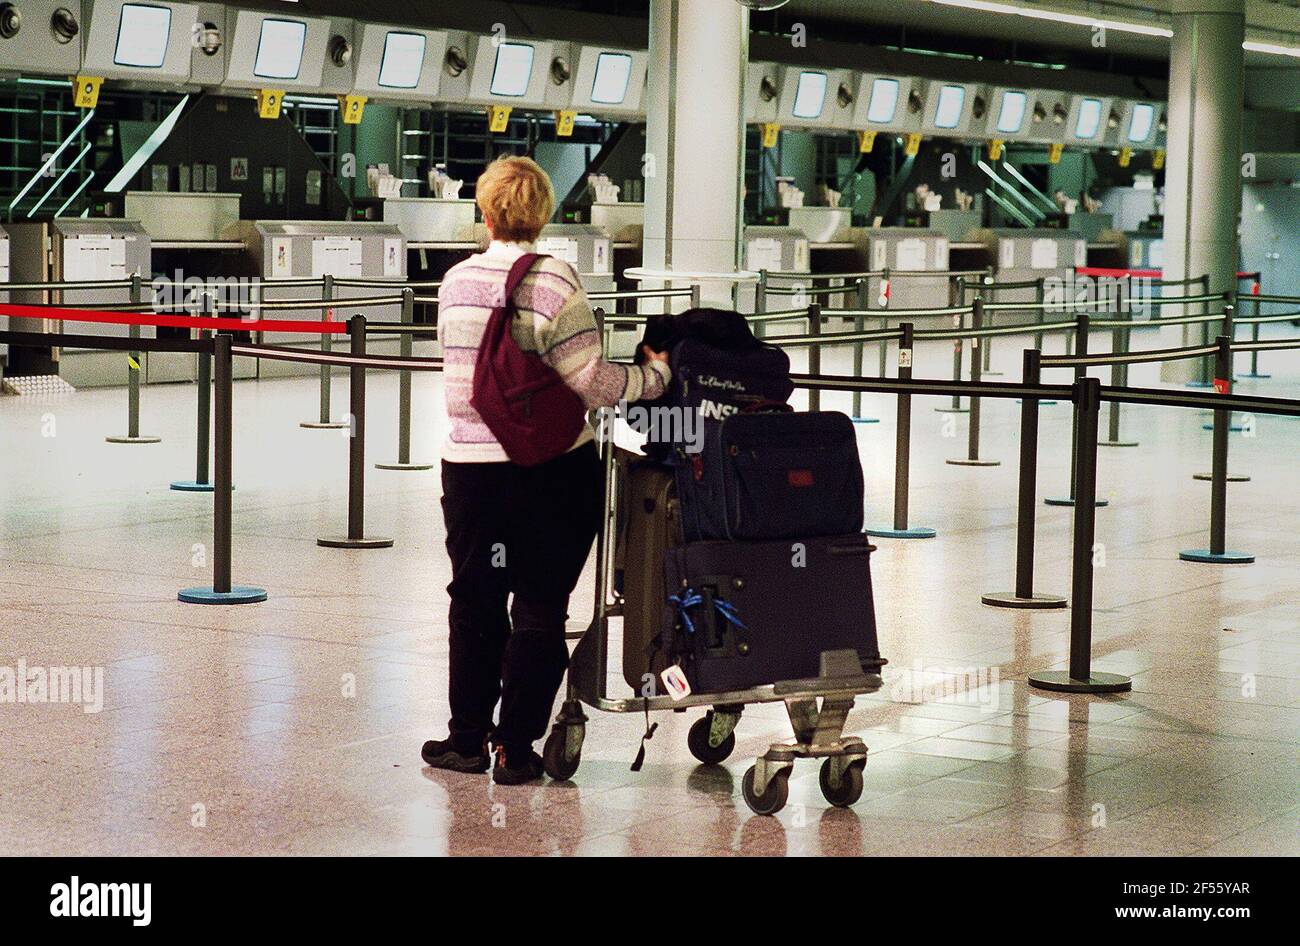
x: 1254, y: 337
x: 972, y: 457
x: 1040, y: 305
x: 861, y: 290
x: 760, y: 302
x: 1229, y: 329
x: 988, y: 370
x: 356, y: 537
x: 903, y: 450
x: 1081, y: 332
x: 221, y: 590
x: 406, y: 343
x: 1203, y: 365
x: 1024, y: 595
x: 326, y: 344
x: 957, y: 345
x: 1080, y: 678
x: 1119, y: 344
x: 134, y: 367
x: 203, y: 412
x: 814, y: 353
x: 1218, y: 553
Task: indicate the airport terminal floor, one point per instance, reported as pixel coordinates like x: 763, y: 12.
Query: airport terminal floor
x: 294, y: 725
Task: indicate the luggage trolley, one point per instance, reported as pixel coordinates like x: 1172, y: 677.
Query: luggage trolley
x: 817, y: 707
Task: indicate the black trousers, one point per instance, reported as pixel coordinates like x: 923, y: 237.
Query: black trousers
x: 526, y: 532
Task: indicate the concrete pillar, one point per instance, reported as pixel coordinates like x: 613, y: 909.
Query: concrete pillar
x: 1203, y: 164
x: 695, y: 138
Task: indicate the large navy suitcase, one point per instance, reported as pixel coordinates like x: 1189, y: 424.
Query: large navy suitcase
x: 772, y: 475
x: 746, y: 614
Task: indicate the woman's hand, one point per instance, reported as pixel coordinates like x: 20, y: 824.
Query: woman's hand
x: 653, y: 355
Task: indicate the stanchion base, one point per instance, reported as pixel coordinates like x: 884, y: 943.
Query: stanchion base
x: 133, y: 439
x: 866, y: 420
x: 323, y: 425
x: 952, y: 410
x: 1232, y: 428
x: 1256, y: 377
x: 343, y: 542
x: 238, y: 594
x: 1231, y: 477
x: 1036, y: 602
x: 1040, y: 403
x: 1216, y: 558
x: 962, y: 461
x: 915, y: 532
x: 403, y: 466
x: 1069, y: 501
x: 1062, y: 682
x: 1117, y: 443
x: 991, y: 374
x: 1199, y: 384
x: 193, y: 486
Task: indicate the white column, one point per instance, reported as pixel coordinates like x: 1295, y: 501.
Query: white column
x: 695, y: 138
x: 1203, y: 164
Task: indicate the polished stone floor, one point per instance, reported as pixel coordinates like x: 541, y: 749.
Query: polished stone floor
x: 293, y: 726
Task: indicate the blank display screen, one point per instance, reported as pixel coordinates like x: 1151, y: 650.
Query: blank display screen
x: 1089, y: 119
x: 810, y: 96
x: 403, y: 60
x: 513, y: 69
x: 612, y: 73
x: 1139, y: 126
x: 1012, y: 114
x: 279, y: 49
x: 948, y: 112
x: 142, y: 34
x: 884, y: 101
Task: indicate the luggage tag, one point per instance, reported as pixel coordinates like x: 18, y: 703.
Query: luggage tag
x: 674, y: 679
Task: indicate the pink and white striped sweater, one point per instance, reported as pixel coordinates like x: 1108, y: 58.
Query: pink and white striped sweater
x: 553, y: 319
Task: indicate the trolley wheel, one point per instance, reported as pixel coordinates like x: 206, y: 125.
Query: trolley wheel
x: 697, y: 740
x: 773, y: 799
x: 555, y: 760
x: 849, y: 788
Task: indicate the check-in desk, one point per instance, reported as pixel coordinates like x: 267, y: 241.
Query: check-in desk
x: 776, y: 249
x: 77, y: 249
x: 1019, y: 255
x: 294, y: 250
x: 911, y: 255
x: 585, y: 247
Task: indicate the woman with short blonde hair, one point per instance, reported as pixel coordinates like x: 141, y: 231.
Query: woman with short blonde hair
x: 517, y: 530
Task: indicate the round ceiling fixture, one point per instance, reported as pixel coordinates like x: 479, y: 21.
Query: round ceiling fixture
x: 210, y: 39
x: 11, y: 20
x: 340, y: 51
x: 1040, y: 113
x: 560, y: 70
x: 844, y: 96
x: 454, y: 63
x: 1059, y: 114
x: 978, y: 107
x: 767, y: 89
x: 914, y: 103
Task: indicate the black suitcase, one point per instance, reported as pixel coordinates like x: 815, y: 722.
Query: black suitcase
x: 772, y: 475
x: 746, y: 614
x: 649, y: 527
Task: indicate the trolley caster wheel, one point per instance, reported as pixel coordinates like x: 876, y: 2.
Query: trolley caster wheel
x: 556, y: 759
x: 773, y: 799
x: 697, y: 740
x: 849, y: 788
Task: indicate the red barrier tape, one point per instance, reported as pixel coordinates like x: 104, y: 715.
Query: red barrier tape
x: 1152, y: 273
x: 158, y: 320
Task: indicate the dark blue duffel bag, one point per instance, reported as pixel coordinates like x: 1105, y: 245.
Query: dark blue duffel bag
x: 772, y: 475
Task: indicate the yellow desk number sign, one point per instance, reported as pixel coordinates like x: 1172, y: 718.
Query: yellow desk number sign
x: 1125, y: 156
x: 866, y: 141
x: 85, y: 90
x: 1158, y: 160
x: 564, y: 122
x: 995, y: 148
x: 268, y: 103
x: 352, y: 108
x: 771, y: 134
x: 1054, y: 153
x: 913, y: 144
x: 498, y: 118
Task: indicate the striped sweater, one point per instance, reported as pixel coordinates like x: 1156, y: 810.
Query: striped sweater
x: 553, y: 319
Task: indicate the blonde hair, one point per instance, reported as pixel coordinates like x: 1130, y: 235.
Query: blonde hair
x: 516, y: 197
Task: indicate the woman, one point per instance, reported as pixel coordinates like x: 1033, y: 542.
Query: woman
x: 515, y: 530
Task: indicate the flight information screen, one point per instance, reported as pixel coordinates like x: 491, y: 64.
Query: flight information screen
x: 513, y: 69
x: 613, y: 70
x: 1089, y: 121
x: 142, y: 34
x: 884, y: 101
x: 279, y: 49
x: 948, y: 112
x: 1139, y: 126
x: 810, y: 95
x: 403, y: 60
x: 1012, y: 113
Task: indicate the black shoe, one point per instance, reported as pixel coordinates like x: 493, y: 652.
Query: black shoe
x: 508, y: 771
x: 443, y: 754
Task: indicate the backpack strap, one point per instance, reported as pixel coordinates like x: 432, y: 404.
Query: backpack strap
x: 518, y: 271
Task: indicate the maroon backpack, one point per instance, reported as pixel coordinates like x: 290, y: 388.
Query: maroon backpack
x: 533, y: 414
